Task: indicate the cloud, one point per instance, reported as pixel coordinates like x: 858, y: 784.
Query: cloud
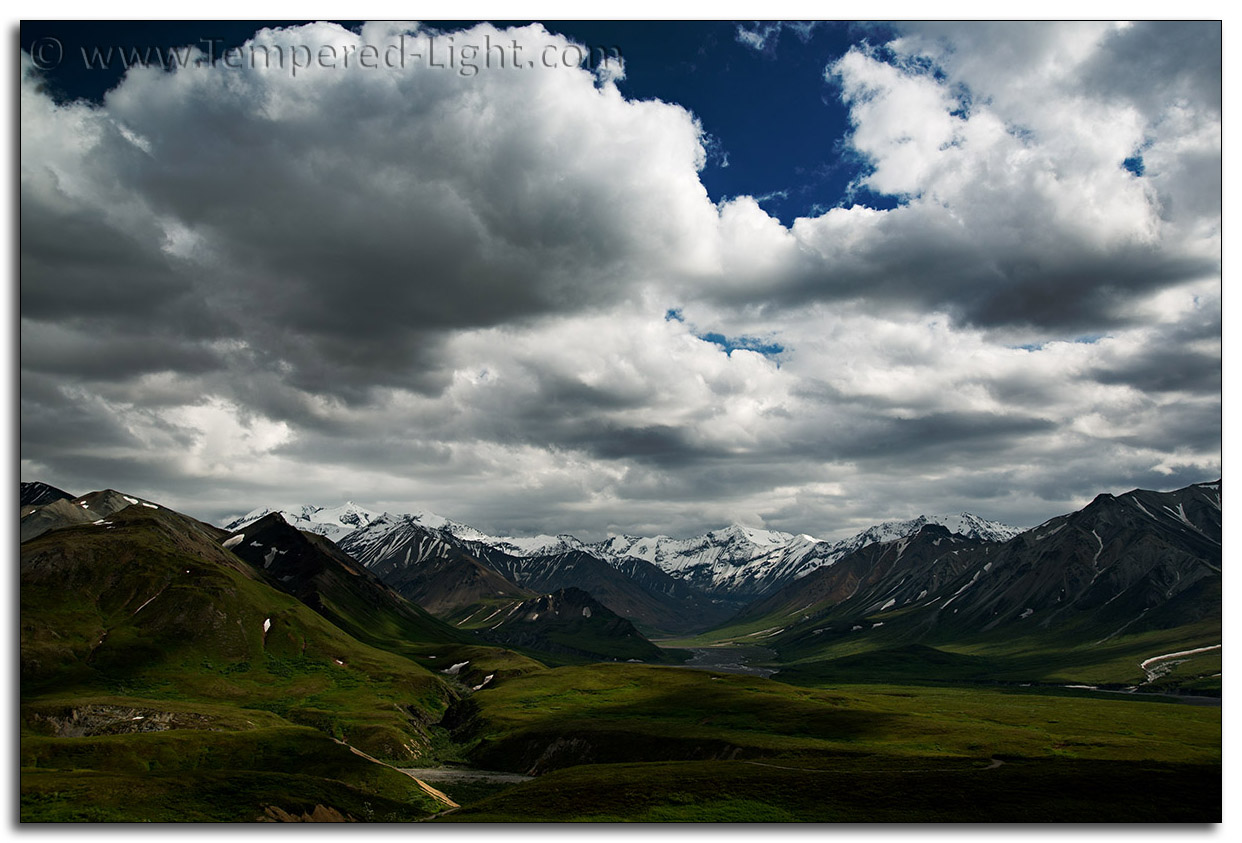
x: 330, y: 203
x: 506, y: 296
x: 1015, y: 207
x: 764, y: 36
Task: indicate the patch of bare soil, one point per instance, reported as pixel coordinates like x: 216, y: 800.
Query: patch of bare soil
x: 90, y: 720
x: 275, y: 814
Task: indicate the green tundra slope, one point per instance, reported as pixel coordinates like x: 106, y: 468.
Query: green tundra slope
x: 148, y: 650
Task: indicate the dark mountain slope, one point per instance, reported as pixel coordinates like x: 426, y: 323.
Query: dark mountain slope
x: 571, y: 622
x: 37, y: 520
x: 873, y: 579
x: 324, y: 577
x: 1115, y: 561
x: 652, y: 578
x: 429, y: 567
x: 637, y: 590
x: 37, y: 494
x: 454, y: 586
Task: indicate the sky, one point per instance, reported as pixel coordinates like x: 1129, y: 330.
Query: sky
x: 793, y: 276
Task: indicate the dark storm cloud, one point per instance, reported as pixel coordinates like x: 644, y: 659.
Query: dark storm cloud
x: 1182, y: 357
x: 946, y: 438
x: 74, y: 263
x: 980, y: 433
x: 1167, y: 369
x: 53, y: 349
x: 392, y: 448
x: 1012, y: 270
x: 1001, y: 262
x: 67, y: 427
x: 1174, y: 427
x: 1155, y: 62
x: 660, y: 445
x: 1089, y: 294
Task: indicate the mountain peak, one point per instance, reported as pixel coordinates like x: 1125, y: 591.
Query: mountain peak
x: 37, y: 493
x: 753, y: 535
x: 333, y: 523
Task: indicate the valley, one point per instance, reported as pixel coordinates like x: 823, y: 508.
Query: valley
x: 347, y: 665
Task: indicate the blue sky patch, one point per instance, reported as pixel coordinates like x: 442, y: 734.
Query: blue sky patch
x: 732, y: 344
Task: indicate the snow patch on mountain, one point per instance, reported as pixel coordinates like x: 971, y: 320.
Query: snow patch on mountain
x: 333, y: 523
x: 412, y: 537
x: 523, y: 546
x: 966, y: 524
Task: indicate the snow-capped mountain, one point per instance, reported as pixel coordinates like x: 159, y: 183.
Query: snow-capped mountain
x: 428, y: 565
x: 745, y: 562
x: 522, y: 546
x: 1134, y: 562
x: 735, y: 562
x: 333, y: 523
x: 964, y: 524
x: 399, y: 540
x: 445, y: 573
x: 731, y: 547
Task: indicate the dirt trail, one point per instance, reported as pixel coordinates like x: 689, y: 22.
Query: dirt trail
x: 430, y: 791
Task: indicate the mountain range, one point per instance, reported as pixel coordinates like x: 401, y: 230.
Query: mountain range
x: 1136, y: 561
x: 733, y: 565
x: 1139, y: 566
x: 1141, y: 562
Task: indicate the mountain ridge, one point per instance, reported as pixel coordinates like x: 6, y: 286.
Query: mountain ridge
x: 734, y: 562
x: 1113, y: 574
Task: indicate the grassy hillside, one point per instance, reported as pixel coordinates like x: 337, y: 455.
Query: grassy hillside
x: 148, y: 609
x: 197, y: 775
x: 880, y: 655
x: 147, y: 650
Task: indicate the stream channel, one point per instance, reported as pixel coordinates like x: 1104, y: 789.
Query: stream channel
x: 732, y: 659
